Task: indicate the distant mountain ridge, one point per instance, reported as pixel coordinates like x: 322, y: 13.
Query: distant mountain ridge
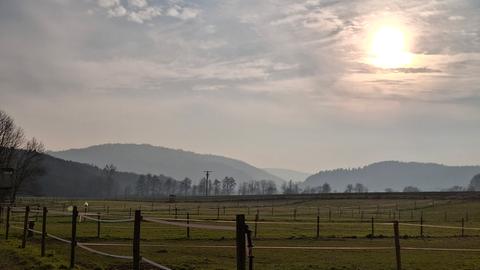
x: 145, y: 158
x: 288, y: 175
x: 396, y: 175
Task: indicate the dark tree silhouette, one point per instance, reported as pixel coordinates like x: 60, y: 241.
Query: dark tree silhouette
x: 21, y: 155
x: 475, y: 183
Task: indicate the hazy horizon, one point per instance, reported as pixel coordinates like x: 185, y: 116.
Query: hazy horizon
x: 266, y: 168
x: 278, y: 84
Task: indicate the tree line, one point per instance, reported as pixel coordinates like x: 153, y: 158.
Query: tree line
x: 20, y: 160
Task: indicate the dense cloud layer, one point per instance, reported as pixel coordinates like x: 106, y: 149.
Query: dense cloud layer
x: 277, y: 83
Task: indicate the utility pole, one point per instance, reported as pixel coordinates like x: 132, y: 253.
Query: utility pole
x: 207, y: 174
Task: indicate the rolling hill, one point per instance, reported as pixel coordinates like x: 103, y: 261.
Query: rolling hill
x: 287, y: 174
x: 397, y: 175
x: 144, y: 158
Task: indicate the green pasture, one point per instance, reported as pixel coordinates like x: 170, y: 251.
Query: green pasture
x: 286, y: 234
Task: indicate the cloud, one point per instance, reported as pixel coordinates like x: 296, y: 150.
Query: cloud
x: 295, y: 68
x: 108, y: 3
x: 138, y: 3
x: 145, y: 14
x: 456, y: 18
x: 183, y: 13
x: 415, y: 70
x: 117, y: 11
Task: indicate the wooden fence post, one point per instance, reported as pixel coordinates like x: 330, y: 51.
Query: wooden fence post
x: 36, y: 213
x: 73, y: 240
x: 373, y: 227
x: 329, y: 214
x: 7, y: 223
x: 397, y: 245
x: 136, y: 240
x: 463, y: 227
x: 98, y: 225
x: 224, y: 211
x: 176, y: 212
x: 421, y: 224
x: 218, y: 212
x: 256, y: 224
x: 25, y: 226
x: 240, y: 242
x: 318, y: 226
x: 44, y: 231
x: 188, y: 225
x: 295, y: 214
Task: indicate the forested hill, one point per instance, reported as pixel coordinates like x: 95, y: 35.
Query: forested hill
x: 73, y: 179
x: 178, y: 164
x: 397, y: 175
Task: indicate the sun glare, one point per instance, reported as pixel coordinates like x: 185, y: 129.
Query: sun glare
x: 389, y: 48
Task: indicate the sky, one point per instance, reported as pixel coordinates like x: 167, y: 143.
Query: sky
x: 276, y: 83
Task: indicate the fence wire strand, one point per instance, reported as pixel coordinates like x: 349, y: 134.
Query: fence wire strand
x: 155, y: 264
x: 83, y: 246
x: 191, y: 225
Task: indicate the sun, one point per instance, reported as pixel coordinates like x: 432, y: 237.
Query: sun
x: 389, y: 48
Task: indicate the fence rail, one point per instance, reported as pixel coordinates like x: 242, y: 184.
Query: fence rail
x: 243, y: 233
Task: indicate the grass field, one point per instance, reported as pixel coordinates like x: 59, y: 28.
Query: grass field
x: 286, y: 234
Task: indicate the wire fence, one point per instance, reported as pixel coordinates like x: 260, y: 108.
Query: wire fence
x: 244, y: 245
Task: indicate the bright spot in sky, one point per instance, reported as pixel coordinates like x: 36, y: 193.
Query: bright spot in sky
x: 389, y: 48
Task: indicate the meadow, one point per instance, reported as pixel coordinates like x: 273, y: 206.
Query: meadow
x: 286, y: 233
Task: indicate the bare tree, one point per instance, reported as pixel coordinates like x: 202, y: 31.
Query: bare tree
x: 186, y: 185
x: 28, y: 167
x: 24, y: 156
x: 216, y: 187
x: 228, y: 185
x: 11, y: 139
x: 109, y: 173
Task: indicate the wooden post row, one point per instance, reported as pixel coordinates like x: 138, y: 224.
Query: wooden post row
x: 373, y: 227
x: 240, y: 242
x: 73, y: 240
x: 188, y: 225
x: 136, y: 240
x: 7, y: 223
x: 44, y: 231
x: 397, y: 245
x: 98, y: 224
x: 25, y: 226
x: 256, y: 224
x: 421, y: 224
